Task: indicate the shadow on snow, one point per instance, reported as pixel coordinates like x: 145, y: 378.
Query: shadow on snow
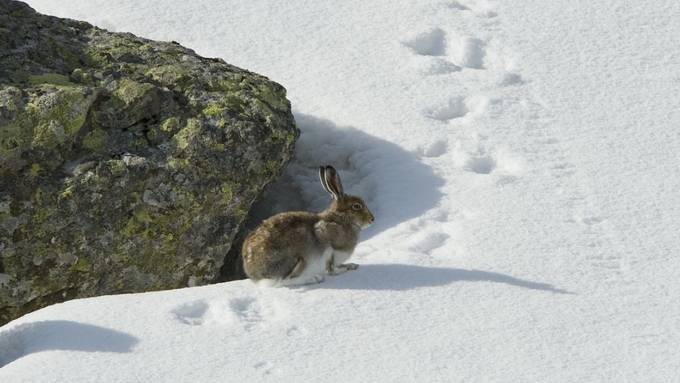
x: 407, y: 277
x: 30, y: 338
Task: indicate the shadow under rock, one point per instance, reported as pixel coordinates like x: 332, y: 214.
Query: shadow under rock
x: 408, y: 277
x: 30, y: 338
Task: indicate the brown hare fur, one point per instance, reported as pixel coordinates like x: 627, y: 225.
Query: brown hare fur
x: 301, y: 247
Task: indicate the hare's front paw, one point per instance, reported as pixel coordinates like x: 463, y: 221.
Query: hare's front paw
x: 349, y: 266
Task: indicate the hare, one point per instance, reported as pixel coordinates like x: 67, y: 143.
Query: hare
x: 300, y: 247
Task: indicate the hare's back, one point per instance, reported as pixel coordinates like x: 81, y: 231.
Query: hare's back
x: 288, y: 230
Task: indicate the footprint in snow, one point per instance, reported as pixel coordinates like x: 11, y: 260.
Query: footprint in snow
x: 432, y: 44
x: 458, y: 107
x: 481, y: 164
x: 505, y: 165
x: 191, y: 313
x: 435, y: 149
x: 469, y: 52
x: 454, y: 107
x: 509, y: 79
x: 428, y: 43
x: 246, y: 311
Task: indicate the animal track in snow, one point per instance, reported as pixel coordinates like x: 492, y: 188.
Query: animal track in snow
x: 458, y: 107
x: 191, y: 313
x: 435, y: 149
x: 455, y: 107
x: 483, y: 164
x: 506, y: 164
x: 469, y: 52
x: 429, y: 43
x: 432, y: 44
x: 247, y: 310
x: 510, y: 79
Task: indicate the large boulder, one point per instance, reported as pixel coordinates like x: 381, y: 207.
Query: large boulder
x: 126, y: 164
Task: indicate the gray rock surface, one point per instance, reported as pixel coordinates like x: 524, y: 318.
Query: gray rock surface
x: 126, y: 164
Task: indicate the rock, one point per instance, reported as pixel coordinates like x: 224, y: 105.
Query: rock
x: 126, y: 164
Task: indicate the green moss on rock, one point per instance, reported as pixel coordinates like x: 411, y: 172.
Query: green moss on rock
x: 96, y: 140
x: 130, y: 91
x: 49, y: 78
x: 190, y: 132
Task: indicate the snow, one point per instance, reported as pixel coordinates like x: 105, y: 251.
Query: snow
x: 521, y: 159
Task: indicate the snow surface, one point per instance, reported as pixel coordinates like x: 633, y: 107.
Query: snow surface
x: 521, y: 159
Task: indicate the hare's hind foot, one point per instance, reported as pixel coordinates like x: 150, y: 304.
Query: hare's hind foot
x: 341, y: 269
x: 303, y: 280
x: 349, y: 266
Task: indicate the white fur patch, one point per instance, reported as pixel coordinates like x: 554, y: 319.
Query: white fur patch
x: 313, y: 273
x: 317, y: 265
x: 339, y: 257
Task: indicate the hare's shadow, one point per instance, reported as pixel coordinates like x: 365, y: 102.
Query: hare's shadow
x: 395, y: 184
x: 407, y: 277
x: 30, y: 338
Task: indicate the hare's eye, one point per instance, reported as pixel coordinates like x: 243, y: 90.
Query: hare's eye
x: 356, y: 206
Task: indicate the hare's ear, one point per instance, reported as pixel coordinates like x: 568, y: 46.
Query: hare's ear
x: 324, y: 183
x: 333, y: 182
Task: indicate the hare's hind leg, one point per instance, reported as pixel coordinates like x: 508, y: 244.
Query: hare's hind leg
x: 300, y: 275
x: 298, y: 269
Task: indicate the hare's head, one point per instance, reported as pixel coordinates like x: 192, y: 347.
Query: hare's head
x: 349, y: 206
